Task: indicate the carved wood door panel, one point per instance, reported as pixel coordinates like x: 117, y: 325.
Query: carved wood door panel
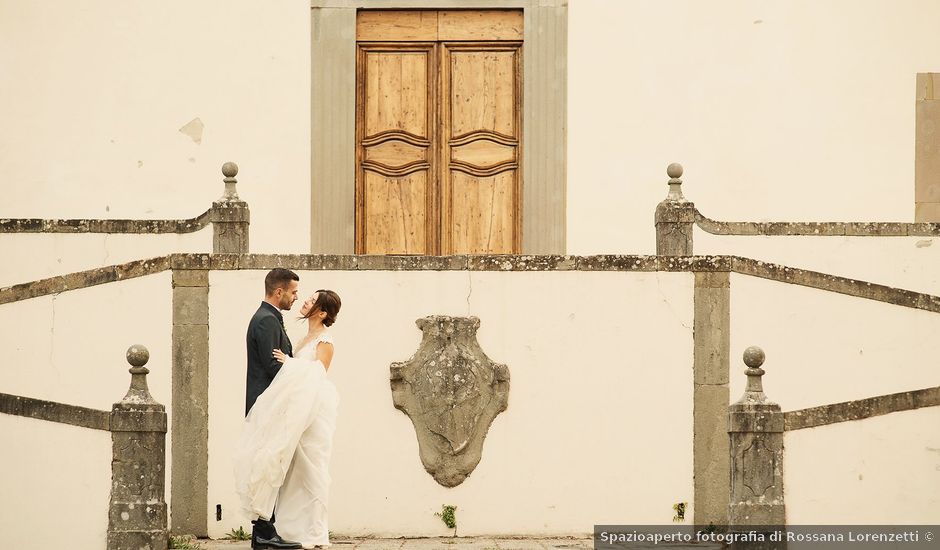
x: 480, y: 140
x: 395, y: 125
x: 439, y: 132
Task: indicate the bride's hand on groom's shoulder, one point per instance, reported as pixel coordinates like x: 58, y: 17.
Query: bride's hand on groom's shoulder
x: 279, y: 355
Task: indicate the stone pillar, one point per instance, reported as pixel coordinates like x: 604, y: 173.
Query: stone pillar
x: 927, y: 153
x: 189, y: 479
x: 230, y: 217
x: 755, y: 427
x: 674, y: 218
x: 710, y: 367
x: 137, y: 513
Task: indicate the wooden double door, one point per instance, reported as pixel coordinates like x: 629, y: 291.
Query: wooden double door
x: 439, y: 132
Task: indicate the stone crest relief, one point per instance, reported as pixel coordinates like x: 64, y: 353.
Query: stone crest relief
x: 452, y: 392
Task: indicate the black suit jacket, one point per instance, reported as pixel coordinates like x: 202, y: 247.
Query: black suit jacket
x: 265, y: 333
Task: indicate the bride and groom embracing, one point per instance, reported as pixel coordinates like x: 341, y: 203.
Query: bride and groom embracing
x: 282, y: 458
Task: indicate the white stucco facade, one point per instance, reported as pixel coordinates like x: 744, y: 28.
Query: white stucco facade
x: 795, y: 111
x: 569, y: 451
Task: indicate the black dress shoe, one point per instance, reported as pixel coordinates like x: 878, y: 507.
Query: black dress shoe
x: 275, y: 542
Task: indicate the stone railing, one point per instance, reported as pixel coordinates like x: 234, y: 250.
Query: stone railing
x: 675, y: 217
x: 189, y: 290
x: 137, y: 514
x: 229, y: 216
x: 756, y: 426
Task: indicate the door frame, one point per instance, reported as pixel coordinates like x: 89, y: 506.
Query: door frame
x: 333, y: 119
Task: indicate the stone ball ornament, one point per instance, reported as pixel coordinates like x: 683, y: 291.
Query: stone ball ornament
x: 230, y: 169
x: 754, y: 357
x: 674, y: 170
x: 138, y: 355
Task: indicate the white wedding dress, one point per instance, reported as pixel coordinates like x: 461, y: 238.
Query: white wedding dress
x: 283, y: 456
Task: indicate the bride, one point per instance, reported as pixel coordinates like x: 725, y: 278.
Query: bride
x: 282, y: 459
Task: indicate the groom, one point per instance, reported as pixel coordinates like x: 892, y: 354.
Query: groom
x: 265, y: 334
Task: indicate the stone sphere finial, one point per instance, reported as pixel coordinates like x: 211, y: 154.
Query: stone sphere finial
x: 754, y: 357
x: 674, y: 170
x: 137, y: 355
x: 230, y: 169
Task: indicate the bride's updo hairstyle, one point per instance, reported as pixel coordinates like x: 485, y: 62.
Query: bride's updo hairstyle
x: 327, y: 302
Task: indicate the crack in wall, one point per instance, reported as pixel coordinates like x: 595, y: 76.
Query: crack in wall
x: 469, y: 289
x: 668, y: 303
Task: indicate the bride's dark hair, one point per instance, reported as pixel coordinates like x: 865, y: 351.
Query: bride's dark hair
x: 327, y: 302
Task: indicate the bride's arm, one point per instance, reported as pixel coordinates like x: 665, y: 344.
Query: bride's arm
x: 325, y: 354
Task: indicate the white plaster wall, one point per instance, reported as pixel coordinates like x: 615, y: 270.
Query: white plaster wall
x: 885, y: 470
x: 93, y: 96
x: 70, y: 348
x: 784, y: 111
x: 825, y: 348
x: 599, y: 426
x: 779, y: 111
x: 56, y: 483
x: 911, y: 263
x: 34, y: 256
x: 791, y: 111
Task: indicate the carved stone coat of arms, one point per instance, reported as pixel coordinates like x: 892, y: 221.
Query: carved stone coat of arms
x: 452, y: 392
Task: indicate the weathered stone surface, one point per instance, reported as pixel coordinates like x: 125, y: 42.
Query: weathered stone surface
x: 712, y: 328
x: 83, y: 279
x: 190, y: 443
x: 834, y: 283
x: 726, y: 228
x: 302, y: 262
x: 149, y: 517
x: 190, y: 277
x: 191, y: 305
x: 54, y: 412
x: 611, y: 262
x: 862, y: 408
x: 229, y: 211
x: 673, y: 220
x: 452, y: 392
x: 34, y: 225
x: 696, y: 263
x: 133, y: 419
x: 225, y: 262
x: 406, y: 262
x: 712, y: 279
x: 669, y: 211
x: 138, y: 540
x: 230, y: 223
x: 711, y: 455
x: 711, y: 353
x: 189, y: 261
x: 877, y: 229
x: 137, y: 516
x: 817, y: 229
x: 924, y: 229
x: 136, y: 474
x: 755, y: 428
x: 927, y: 154
x: 521, y: 263
x: 434, y: 263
